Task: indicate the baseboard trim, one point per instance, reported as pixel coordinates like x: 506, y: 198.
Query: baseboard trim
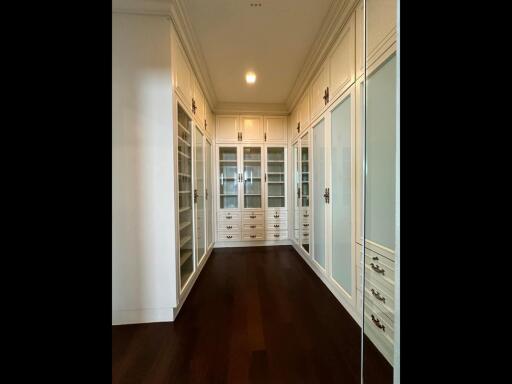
x: 146, y: 315
x: 321, y: 274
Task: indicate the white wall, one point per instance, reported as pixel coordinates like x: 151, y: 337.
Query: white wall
x: 143, y: 285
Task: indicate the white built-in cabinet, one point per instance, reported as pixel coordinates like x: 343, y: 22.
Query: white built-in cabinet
x: 319, y: 91
x: 251, y: 129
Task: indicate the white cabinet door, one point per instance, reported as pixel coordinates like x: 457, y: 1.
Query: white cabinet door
x: 251, y: 129
x: 227, y: 129
x: 381, y: 31
x: 198, y: 105
x: 294, y: 123
x: 342, y: 60
x: 182, y: 74
x: 318, y: 91
x: 359, y: 39
x: 209, y: 127
x: 304, y: 111
x: 275, y: 129
x: 359, y: 159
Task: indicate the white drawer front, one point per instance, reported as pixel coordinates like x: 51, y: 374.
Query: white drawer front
x: 305, y: 226
x: 277, y: 213
x: 271, y: 219
x: 228, y: 227
x: 248, y: 236
x: 229, y: 236
x: 380, y: 299
x: 276, y: 226
x: 254, y: 227
x: 380, y: 271
x: 276, y: 235
x: 378, y: 321
x: 249, y: 217
x: 227, y: 215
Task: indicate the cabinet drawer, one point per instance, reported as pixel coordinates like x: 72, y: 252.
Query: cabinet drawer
x: 254, y: 227
x: 250, y: 217
x: 276, y: 226
x: 223, y: 236
x: 380, y: 271
x: 247, y: 236
x: 381, y: 299
x: 278, y: 214
x: 378, y: 321
x: 305, y: 226
x: 228, y: 227
x: 276, y: 235
x: 228, y: 215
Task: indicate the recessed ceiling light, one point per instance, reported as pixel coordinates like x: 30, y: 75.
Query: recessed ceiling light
x: 250, y: 77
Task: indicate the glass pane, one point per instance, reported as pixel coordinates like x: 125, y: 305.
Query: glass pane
x: 209, y: 205
x: 252, y: 177
x: 296, y: 183
x: 304, y: 192
x: 341, y: 199
x: 185, y: 195
x: 276, y: 177
x: 318, y: 193
x: 199, y: 190
x: 228, y: 177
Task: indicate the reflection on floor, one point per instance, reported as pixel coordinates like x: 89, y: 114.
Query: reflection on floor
x: 255, y: 315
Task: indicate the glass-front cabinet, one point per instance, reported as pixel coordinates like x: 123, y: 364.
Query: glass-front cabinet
x: 185, y: 196
x: 229, y: 177
x: 305, y: 191
x: 199, y: 195
x: 252, y: 163
x: 275, y: 177
x: 296, y: 195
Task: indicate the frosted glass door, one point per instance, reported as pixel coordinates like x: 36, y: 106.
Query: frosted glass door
x: 228, y: 177
x: 208, y: 193
x: 276, y: 180
x: 200, y: 224
x: 304, y: 192
x: 318, y: 192
x: 185, y: 195
x: 341, y: 194
x: 252, y: 175
x: 296, y: 195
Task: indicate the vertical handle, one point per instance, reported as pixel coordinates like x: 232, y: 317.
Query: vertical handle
x: 265, y: 177
x: 265, y: 136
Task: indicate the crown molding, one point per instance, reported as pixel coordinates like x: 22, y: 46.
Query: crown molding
x: 193, y: 50
x: 138, y: 7
x: 227, y: 108
x: 337, y: 15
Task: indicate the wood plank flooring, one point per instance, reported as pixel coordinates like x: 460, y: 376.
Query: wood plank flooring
x: 255, y: 315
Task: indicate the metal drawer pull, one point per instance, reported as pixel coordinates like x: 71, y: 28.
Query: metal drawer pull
x: 276, y: 216
x: 376, y: 268
x: 229, y: 236
x: 305, y: 234
x: 378, y: 324
x: 252, y: 216
x: 276, y: 225
x: 378, y: 296
x: 306, y: 215
x: 276, y: 234
x: 375, y: 258
x: 306, y: 225
x: 253, y: 226
x: 229, y: 217
x: 253, y: 236
x: 229, y: 226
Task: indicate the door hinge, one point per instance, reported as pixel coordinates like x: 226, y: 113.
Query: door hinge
x: 327, y: 195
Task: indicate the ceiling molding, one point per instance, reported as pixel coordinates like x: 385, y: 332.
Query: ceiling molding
x: 136, y: 7
x: 226, y: 108
x: 193, y: 50
x: 337, y: 15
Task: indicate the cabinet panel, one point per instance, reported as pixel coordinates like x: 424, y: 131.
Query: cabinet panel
x: 304, y: 116
x: 319, y: 188
x: 305, y: 188
x: 252, y: 177
x: 275, y: 129
x: 251, y: 128
x: 229, y: 178
x: 182, y: 74
x: 209, y: 127
x: 199, y: 195
x: 342, y: 60
x: 317, y: 91
x: 275, y: 177
x: 359, y: 39
x: 381, y: 27
x: 227, y: 129
x: 198, y: 102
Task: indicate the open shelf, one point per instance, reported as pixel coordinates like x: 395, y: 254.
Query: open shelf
x: 186, y: 143
x: 184, y: 209
x: 185, y: 225
x: 185, y: 240
x: 185, y: 191
x: 182, y: 154
x: 184, y: 175
x: 227, y: 194
x: 184, y: 128
x: 184, y: 256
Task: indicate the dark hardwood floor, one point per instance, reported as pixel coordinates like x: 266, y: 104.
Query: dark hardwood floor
x: 255, y: 315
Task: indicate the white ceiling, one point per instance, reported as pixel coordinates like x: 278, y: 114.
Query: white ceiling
x: 272, y: 40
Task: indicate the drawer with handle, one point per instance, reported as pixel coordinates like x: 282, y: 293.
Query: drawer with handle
x: 223, y: 236
x: 375, y: 317
x: 248, y: 236
x: 276, y: 235
x: 249, y: 217
x: 254, y: 227
x: 228, y: 227
x: 231, y: 216
x: 379, y: 270
x: 276, y: 226
x: 380, y: 299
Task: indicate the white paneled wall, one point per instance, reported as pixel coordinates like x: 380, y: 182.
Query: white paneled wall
x: 143, y: 287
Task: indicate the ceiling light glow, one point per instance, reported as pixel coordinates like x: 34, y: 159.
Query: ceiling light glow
x: 250, y: 77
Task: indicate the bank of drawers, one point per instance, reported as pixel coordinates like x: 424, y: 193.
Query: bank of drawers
x: 379, y: 302
x: 248, y: 225
x: 253, y: 225
x: 276, y: 224
x: 229, y: 226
